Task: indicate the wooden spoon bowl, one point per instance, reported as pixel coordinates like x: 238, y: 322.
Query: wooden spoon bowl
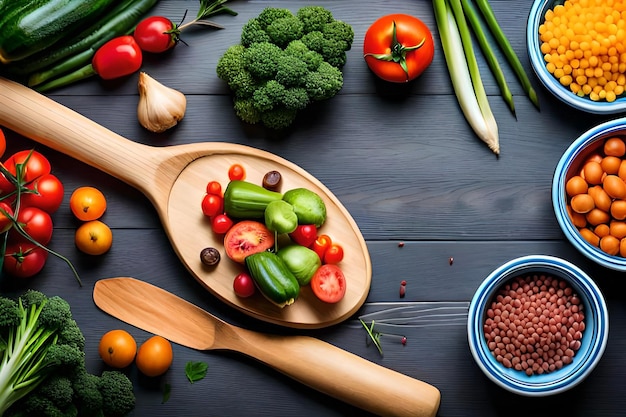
x: 174, y: 178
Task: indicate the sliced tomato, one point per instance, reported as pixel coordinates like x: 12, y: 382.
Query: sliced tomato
x: 329, y: 283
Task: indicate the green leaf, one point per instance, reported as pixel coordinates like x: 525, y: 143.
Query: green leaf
x: 167, y: 391
x: 196, y: 371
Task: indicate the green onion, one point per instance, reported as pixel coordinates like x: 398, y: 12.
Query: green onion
x: 507, y: 49
x: 490, y: 56
x: 464, y: 73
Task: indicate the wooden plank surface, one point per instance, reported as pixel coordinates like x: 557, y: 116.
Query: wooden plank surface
x: 408, y: 168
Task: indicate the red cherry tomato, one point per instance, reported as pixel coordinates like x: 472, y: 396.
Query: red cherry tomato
x: 304, y: 234
x: 236, y: 172
x: 321, y: 244
x: 34, y: 165
x: 156, y: 34
x: 212, y: 205
x: 243, y: 285
x: 398, y: 47
x: 36, y: 223
x: 329, y: 283
x: 334, y: 254
x: 47, y: 193
x: 5, y: 212
x: 221, y: 224
x: 118, y: 57
x: 214, y: 187
x: 23, y: 260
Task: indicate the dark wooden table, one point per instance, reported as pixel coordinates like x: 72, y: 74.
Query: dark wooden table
x: 421, y: 187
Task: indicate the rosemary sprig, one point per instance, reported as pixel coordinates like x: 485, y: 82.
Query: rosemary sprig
x: 374, y: 335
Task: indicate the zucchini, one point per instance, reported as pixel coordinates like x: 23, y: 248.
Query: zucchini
x: 273, y: 278
x: 32, y: 26
x: 246, y: 200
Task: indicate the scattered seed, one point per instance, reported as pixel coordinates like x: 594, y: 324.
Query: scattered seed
x: 403, y: 340
x: 400, y: 244
x: 402, y: 291
x: 403, y: 283
x: 451, y: 260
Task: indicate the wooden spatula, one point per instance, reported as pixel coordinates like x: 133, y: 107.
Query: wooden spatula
x: 310, y: 361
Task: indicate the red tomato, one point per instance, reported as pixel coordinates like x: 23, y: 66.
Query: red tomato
x: 334, y: 254
x: 398, y: 47
x: 3, y: 143
x: 36, y: 223
x: 156, y: 34
x: 221, y: 224
x: 214, y: 187
x: 212, y: 205
x: 23, y: 260
x: 47, y: 195
x: 243, y: 285
x: 34, y: 165
x: 321, y: 244
x: 236, y: 172
x: 304, y: 234
x: 329, y: 283
x: 5, y: 212
x: 118, y: 57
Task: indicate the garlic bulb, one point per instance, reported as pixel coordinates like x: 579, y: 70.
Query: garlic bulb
x: 160, y: 107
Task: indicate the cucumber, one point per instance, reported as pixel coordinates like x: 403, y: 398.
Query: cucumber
x: 273, y: 278
x: 246, y: 200
x: 31, y: 26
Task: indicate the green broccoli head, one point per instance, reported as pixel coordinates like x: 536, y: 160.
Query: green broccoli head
x: 314, y: 17
x: 118, y: 398
x: 71, y: 335
x: 324, y: 83
x: 284, y: 62
x: 87, y: 396
x: 56, y: 313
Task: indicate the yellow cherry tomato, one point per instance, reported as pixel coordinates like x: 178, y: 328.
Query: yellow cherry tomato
x: 88, y: 203
x: 93, y: 238
x: 154, y: 356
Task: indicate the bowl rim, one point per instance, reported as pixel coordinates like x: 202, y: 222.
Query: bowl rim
x: 557, y: 381
x: 535, y: 18
x: 576, y: 148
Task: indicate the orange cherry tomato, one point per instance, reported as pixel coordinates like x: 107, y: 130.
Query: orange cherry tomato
x: 93, y: 238
x: 154, y: 356
x: 214, y: 187
x: 334, y: 254
x: 88, y: 203
x: 236, y: 172
x: 117, y: 348
x: 321, y: 245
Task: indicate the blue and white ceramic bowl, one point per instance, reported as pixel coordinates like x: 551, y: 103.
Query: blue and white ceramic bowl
x: 535, y: 19
x: 570, y: 164
x: 594, y: 338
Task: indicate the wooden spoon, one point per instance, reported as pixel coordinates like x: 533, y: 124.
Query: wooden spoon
x: 174, y: 178
x: 310, y: 361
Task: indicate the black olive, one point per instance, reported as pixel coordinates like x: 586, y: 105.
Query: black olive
x: 210, y: 256
x: 271, y: 180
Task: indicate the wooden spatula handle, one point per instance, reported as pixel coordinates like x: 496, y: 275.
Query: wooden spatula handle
x: 343, y: 375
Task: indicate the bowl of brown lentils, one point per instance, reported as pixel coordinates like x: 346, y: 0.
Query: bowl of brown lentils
x: 537, y: 325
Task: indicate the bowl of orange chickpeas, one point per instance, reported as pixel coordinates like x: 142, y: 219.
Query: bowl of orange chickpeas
x: 577, y: 49
x: 589, y: 194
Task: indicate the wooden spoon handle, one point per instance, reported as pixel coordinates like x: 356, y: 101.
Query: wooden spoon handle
x: 343, y: 375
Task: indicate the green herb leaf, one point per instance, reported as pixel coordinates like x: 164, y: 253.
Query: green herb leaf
x: 167, y: 391
x: 196, y: 371
x: 374, y: 335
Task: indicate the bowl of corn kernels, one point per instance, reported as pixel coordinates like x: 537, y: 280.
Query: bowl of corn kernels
x: 577, y: 49
x: 589, y: 194
x: 537, y: 325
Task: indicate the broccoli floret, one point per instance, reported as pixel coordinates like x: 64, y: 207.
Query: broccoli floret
x: 118, y: 398
x: 284, y: 62
x: 231, y: 63
x: 291, y: 71
x: 253, y: 32
x: 299, y: 50
x: 270, y: 14
x: 284, y: 30
x: 314, y: 17
x: 324, y: 83
x: 278, y: 118
x: 42, y: 371
x: 245, y: 110
x: 261, y: 59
